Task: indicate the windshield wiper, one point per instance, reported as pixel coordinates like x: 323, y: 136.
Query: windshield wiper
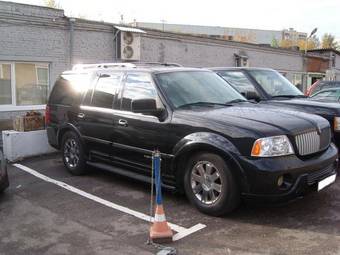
x: 290, y: 96
x: 238, y: 100
x: 199, y: 103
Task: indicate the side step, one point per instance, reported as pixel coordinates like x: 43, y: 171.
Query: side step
x: 132, y: 175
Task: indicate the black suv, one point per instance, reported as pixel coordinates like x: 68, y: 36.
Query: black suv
x: 270, y: 87
x: 216, y: 146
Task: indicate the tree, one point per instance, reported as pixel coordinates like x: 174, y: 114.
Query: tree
x: 312, y: 43
x: 52, y: 4
x: 285, y: 43
x: 274, y: 43
x: 328, y: 42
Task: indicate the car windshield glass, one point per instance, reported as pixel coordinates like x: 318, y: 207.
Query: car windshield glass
x: 238, y: 80
x: 275, y: 84
x: 200, y: 88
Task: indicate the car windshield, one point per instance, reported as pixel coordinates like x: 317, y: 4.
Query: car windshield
x: 188, y: 88
x: 275, y: 84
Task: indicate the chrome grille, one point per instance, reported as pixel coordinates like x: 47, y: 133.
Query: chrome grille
x: 312, y: 142
x: 308, y: 143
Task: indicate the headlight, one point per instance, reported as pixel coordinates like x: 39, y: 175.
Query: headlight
x: 272, y: 147
x: 336, y: 124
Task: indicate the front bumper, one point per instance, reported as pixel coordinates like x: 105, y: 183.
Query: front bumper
x: 4, y: 183
x: 303, y: 175
x: 3, y: 173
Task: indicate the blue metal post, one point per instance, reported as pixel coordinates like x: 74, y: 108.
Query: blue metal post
x: 157, y: 168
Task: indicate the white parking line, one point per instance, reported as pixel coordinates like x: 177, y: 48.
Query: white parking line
x: 181, y: 231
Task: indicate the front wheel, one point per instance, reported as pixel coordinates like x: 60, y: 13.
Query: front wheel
x: 73, y: 154
x: 210, y: 185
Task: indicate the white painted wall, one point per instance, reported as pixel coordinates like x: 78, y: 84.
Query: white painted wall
x: 20, y: 145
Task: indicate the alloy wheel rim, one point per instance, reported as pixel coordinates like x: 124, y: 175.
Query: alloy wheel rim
x: 206, y: 182
x: 71, y: 153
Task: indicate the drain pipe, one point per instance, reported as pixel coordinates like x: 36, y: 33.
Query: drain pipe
x: 72, y: 21
x: 115, y: 34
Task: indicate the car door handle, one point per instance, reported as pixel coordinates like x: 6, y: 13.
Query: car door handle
x: 123, y: 123
x: 81, y: 115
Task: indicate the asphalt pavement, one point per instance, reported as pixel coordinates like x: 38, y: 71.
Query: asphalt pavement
x: 39, y: 217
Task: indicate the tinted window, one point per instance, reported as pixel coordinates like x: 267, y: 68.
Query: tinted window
x: 331, y: 95
x: 62, y: 93
x: 238, y: 80
x: 68, y: 89
x: 190, y: 87
x: 138, y: 86
x: 106, y: 90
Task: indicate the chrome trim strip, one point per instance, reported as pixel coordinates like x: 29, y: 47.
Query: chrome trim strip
x: 125, y: 147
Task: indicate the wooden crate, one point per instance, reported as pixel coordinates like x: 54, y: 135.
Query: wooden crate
x: 29, y: 123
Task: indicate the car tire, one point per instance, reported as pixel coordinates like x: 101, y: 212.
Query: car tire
x: 210, y: 185
x: 73, y: 153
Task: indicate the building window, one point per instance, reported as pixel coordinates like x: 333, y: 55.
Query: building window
x: 297, y: 81
x: 5, y: 84
x: 23, y: 85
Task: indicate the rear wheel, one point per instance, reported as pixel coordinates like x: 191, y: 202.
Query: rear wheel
x: 209, y: 184
x: 73, y: 153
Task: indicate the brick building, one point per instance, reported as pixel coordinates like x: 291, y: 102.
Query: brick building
x: 38, y: 43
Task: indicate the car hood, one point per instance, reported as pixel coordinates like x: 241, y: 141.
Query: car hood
x: 261, y: 120
x: 327, y: 110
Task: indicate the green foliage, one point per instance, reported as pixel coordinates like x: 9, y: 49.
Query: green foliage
x: 274, y: 43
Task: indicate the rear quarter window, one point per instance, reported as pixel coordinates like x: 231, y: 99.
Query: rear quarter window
x: 68, y: 89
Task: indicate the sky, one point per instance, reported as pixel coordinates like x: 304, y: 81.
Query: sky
x: 302, y: 15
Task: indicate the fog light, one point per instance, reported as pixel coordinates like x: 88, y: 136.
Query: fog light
x: 280, y: 181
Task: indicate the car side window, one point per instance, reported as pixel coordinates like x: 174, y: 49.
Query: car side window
x: 138, y: 86
x: 238, y: 80
x: 327, y: 95
x: 106, y: 90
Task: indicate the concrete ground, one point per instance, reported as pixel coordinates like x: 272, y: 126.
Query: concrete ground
x: 37, y: 217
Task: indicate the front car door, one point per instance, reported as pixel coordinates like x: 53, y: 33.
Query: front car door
x: 137, y: 135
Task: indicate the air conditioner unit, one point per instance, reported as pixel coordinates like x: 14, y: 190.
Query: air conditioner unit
x: 241, y: 60
x: 129, y: 46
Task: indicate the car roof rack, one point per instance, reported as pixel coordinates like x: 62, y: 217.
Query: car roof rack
x: 157, y: 64
x: 84, y: 67
x: 79, y: 67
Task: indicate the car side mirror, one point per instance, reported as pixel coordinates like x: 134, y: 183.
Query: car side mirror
x: 146, y: 106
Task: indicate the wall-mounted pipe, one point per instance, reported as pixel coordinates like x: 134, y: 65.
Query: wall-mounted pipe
x: 72, y: 21
x: 115, y: 34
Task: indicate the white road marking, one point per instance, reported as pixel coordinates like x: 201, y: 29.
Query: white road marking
x: 181, y: 231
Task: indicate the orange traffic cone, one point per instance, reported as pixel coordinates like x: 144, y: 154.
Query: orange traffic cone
x: 160, y: 232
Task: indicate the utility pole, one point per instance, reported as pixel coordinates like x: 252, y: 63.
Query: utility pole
x: 311, y: 34
x: 305, y: 60
x: 163, y: 24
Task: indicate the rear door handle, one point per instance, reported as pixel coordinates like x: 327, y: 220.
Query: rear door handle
x: 81, y: 115
x: 123, y: 123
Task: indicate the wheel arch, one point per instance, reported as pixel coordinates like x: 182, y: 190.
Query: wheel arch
x: 206, y: 142
x: 65, y: 128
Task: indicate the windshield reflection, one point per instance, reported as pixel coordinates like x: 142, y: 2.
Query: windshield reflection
x: 274, y: 83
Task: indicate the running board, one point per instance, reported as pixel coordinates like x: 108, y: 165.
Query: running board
x: 132, y: 175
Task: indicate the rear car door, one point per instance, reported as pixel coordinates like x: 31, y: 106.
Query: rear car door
x: 96, y: 114
x: 137, y: 135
